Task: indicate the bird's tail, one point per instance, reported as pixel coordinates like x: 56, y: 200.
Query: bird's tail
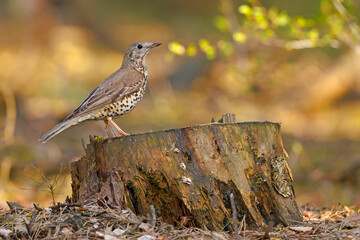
x: 58, y: 129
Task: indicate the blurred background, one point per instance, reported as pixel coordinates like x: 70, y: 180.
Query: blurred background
x: 293, y: 62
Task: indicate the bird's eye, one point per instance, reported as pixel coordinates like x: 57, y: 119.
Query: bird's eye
x: 139, y: 46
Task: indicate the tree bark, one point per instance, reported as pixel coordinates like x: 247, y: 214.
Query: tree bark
x: 188, y: 174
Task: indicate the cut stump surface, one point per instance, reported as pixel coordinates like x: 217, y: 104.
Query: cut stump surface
x: 188, y: 174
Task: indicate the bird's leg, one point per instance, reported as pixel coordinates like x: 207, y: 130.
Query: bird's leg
x: 113, y: 130
x: 122, y: 133
x: 109, y: 128
x: 107, y: 131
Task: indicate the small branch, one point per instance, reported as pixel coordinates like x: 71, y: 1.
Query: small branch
x: 98, y: 213
x: 136, y: 225
x: 268, y: 230
x: 32, y: 220
x: 241, y: 51
x: 234, y: 216
x: 354, y: 28
x: 84, y: 146
x: 66, y: 205
x: 153, y: 216
x: 37, y: 207
x: 98, y: 228
x: 14, y: 207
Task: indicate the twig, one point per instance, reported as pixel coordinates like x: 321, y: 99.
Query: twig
x: 353, y: 26
x: 57, y: 230
x: 14, y: 205
x: 37, y: 207
x: 62, y: 205
x: 153, y: 216
x: 268, y: 230
x: 83, y: 144
x: 32, y: 220
x: 90, y: 214
x: 137, y: 224
x: 95, y: 229
x: 33, y: 216
x: 243, y: 224
x: 183, y: 235
x: 234, y: 216
x: 98, y: 213
x: 228, y: 7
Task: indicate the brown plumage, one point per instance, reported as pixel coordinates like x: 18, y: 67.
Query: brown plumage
x: 116, y: 95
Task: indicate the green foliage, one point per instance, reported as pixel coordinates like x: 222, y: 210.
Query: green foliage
x: 245, y: 9
x: 332, y: 27
x: 221, y: 23
x: 177, y: 48
x: 239, y: 37
x: 48, y: 184
x: 207, y: 48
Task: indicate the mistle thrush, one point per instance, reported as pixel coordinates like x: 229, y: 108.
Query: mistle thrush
x: 116, y: 95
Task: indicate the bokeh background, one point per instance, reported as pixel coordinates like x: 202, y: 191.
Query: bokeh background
x: 294, y: 62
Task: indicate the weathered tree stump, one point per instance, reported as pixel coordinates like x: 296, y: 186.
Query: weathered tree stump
x: 189, y: 173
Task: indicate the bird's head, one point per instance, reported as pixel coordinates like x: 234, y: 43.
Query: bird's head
x: 136, y: 53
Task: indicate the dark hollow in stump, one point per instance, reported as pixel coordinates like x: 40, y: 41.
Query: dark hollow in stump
x: 188, y: 174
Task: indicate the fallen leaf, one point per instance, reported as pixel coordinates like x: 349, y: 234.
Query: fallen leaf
x: 301, y: 229
x: 20, y: 228
x: 145, y: 227
x: 110, y: 237
x: 308, y: 214
x: 355, y: 216
x: 146, y: 237
x: 100, y: 234
x: 66, y: 231
x: 118, y: 232
x: 5, y: 232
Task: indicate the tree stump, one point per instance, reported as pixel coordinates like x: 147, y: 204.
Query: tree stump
x: 188, y: 175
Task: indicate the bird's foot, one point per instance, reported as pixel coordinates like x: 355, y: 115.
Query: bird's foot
x: 122, y: 132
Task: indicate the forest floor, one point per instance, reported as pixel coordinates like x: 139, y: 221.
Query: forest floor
x: 80, y: 221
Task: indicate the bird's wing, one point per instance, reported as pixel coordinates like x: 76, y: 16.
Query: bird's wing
x: 119, y: 84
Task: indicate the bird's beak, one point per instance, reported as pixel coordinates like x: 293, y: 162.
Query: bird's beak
x: 155, y: 45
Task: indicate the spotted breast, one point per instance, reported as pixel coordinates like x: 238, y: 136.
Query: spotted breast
x: 123, y: 105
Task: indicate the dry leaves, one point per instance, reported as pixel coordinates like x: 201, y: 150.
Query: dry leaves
x: 75, y: 221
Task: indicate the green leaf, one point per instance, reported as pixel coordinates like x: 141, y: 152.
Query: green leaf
x: 177, y: 48
x: 325, y: 7
x: 245, y: 9
x: 226, y: 48
x: 191, y: 50
x: 263, y: 23
x: 313, y: 34
x: 206, y: 47
x: 273, y: 14
x: 239, y: 37
x: 283, y: 19
x: 258, y: 11
x: 301, y: 22
x: 221, y: 23
x: 269, y: 33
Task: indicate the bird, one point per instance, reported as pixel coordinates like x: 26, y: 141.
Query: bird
x: 116, y: 96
